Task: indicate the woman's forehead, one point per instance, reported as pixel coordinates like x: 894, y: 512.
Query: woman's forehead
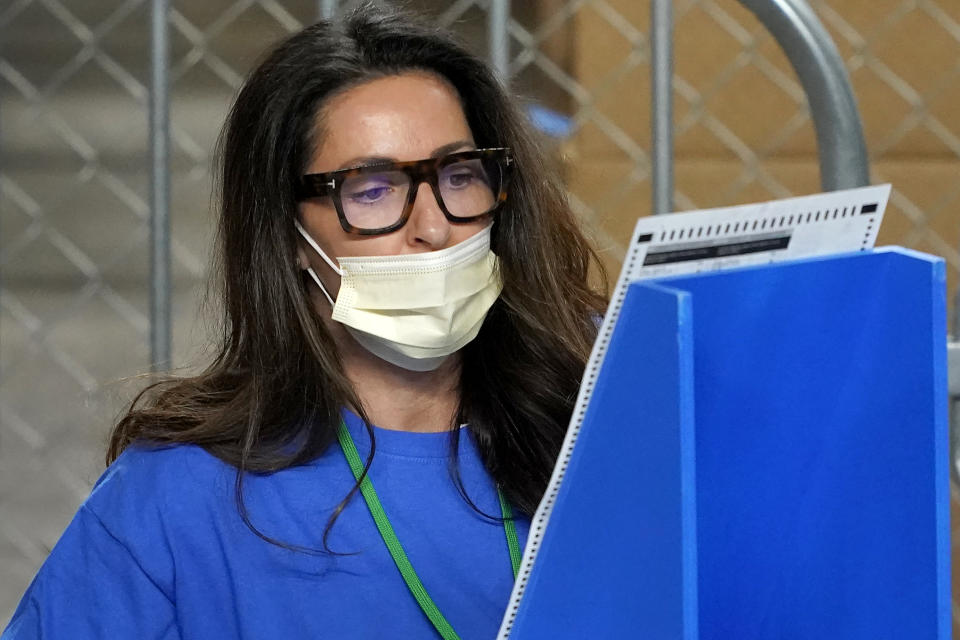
x: 403, y: 117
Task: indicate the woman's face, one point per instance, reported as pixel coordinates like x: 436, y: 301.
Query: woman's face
x: 405, y: 117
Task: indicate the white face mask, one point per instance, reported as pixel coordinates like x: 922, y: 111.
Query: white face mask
x: 414, y: 310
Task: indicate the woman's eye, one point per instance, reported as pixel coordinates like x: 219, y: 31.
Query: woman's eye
x: 369, y: 196
x: 460, y: 179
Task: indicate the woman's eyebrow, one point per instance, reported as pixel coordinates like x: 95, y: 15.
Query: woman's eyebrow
x: 451, y: 147
x: 366, y: 161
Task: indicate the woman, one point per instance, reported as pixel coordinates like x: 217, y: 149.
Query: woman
x: 406, y: 304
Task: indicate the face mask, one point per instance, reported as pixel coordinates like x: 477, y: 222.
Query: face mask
x: 414, y: 310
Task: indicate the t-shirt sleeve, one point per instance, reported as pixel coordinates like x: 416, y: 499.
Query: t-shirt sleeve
x: 92, y: 585
x: 111, y: 574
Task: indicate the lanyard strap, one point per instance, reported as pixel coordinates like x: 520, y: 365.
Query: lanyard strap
x: 396, y: 549
x: 510, y: 528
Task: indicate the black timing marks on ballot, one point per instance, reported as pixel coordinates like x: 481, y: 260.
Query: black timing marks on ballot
x: 740, y: 245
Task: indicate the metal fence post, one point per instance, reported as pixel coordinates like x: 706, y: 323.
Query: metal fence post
x: 160, y: 329
x: 327, y: 9
x: 498, y: 18
x: 661, y: 68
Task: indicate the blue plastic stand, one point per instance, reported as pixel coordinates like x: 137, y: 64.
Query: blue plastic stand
x: 764, y: 456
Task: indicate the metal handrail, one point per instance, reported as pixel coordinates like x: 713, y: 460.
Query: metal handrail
x: 818, y: 65
x: 840, y: 144
x: 953, y: 377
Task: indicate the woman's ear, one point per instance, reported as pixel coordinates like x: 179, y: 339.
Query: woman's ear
x: 302, y: 262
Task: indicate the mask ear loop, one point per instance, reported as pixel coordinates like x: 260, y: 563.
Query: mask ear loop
x: 316, y: 247
x: 313, y: 274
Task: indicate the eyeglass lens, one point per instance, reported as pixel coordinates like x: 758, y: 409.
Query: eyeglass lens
x: 375, y: 199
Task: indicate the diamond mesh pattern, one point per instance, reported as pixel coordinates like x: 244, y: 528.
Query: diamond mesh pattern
x: 74, y: 183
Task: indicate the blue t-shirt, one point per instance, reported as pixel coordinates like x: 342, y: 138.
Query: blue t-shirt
x: 159, y: 550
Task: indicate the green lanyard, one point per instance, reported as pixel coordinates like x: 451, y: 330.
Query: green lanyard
x: 396, y: 549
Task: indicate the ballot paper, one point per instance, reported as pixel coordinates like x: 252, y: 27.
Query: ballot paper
x: 709, y: 239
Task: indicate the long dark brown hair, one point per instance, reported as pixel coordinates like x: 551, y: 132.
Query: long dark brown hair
x: 272, y: 396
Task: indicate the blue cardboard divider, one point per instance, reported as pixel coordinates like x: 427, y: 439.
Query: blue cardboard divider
x: 764, y: 456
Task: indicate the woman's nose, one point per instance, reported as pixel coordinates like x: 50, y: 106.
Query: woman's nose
x: 427, y: 226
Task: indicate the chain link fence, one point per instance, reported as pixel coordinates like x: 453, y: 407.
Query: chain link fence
x: 74, y: 214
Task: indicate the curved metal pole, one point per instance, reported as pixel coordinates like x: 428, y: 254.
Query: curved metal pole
x: 841, y: 147
x: 160, y: 324
x: 661, y: 69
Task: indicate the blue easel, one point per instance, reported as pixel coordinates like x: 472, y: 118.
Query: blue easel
x: 764, y: 456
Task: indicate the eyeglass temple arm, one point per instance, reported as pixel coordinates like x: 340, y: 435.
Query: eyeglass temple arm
x: 312, y: 188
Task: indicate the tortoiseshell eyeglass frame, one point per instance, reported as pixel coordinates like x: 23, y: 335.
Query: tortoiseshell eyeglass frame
x: 318, y: 185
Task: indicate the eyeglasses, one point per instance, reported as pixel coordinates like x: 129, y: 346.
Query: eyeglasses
x: 379, y: 198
